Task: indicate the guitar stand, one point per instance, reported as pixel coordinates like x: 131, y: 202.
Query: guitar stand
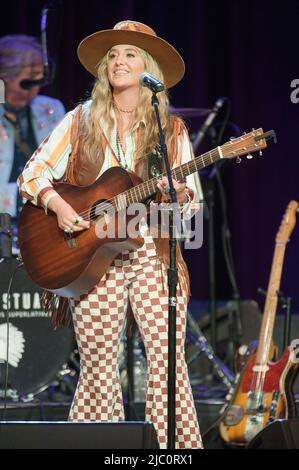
x: 234, y: 330
x: 131, y: 329
x: 286, y: 304
x: 195, y: 335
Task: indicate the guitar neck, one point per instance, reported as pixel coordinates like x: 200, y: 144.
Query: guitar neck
x: 145, y: 190
x: 265, y: 346
x: 266, y: 334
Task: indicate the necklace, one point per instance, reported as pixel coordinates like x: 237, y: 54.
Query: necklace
x: 127, y: 111
x: 119, y: 151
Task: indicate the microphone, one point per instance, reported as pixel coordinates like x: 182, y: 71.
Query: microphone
x: 208, y: 122
x: 151, y: 82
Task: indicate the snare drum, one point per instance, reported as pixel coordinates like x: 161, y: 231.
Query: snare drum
x: 37, y: 351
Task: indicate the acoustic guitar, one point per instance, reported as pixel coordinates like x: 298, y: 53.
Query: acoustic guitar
x: 72, y: 264
x: 263, y: 392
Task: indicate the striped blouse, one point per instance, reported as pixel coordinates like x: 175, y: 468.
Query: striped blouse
x: 49, y: 163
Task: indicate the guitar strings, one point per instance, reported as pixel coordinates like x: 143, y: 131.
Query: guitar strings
x: 199, y: 162
x: 106, y: 205
x: 259, y: 378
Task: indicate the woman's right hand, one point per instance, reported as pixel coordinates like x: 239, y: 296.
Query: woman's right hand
x: 67, y: 216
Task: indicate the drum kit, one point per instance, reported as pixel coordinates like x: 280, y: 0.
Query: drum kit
x: 37, y: 352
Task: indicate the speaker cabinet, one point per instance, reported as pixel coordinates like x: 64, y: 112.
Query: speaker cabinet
x: 68, y: 435
x: 281, y: 434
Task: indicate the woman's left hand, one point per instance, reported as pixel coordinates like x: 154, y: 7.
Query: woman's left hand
x: 179, y: 187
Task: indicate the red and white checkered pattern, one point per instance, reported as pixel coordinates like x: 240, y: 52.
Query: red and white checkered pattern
x: 98, y: 321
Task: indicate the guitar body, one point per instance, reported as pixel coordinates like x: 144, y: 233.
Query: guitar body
x: 72, y: 264
x: 250, y: 411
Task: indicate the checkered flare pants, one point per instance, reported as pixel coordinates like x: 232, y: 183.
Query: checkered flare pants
x: 98, y: 321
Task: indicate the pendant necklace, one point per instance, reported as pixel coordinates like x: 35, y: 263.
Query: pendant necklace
x: 120, y: 151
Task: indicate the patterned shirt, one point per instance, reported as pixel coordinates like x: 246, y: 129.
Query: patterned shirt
x: 49, y: 163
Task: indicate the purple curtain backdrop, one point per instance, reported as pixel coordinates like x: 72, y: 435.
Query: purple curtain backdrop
x: 246, y: 51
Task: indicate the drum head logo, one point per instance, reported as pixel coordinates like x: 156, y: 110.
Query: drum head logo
x: 16, y: 344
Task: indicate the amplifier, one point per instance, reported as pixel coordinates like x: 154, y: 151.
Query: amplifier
x: 68, y: 435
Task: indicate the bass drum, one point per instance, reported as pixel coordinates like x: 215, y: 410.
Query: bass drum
x: 37, y: 352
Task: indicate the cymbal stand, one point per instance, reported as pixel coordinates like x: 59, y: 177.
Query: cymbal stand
x: 196, y: 336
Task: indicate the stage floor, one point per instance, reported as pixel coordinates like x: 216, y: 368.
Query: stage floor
x: 42, y: 409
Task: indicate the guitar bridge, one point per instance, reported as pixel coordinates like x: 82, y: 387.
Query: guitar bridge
x: 71, y: 241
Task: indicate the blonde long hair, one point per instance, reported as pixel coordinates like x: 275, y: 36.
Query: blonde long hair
x: 102, y: 105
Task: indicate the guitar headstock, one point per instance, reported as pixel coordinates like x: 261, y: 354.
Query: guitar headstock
x: 247, y: 143
x: 288, y: 223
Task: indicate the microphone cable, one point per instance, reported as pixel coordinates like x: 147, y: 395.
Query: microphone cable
x: 225, y: 231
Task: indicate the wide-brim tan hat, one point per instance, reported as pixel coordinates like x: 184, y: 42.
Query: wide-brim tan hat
x: 94, y: 47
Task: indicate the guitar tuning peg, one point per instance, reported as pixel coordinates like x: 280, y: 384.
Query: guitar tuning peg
x: 261, y: 153
x: 238, y: 160
x: 249, y: 156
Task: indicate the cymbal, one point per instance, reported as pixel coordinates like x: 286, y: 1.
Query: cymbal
x: 189, y: 112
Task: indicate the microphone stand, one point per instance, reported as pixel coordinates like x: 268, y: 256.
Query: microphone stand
x: 49, y: 72
x: 5, y: 257
x: 172, y: 275
x: 5, y: 237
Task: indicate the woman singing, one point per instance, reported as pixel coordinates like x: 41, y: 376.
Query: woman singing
x: 117, y: 127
